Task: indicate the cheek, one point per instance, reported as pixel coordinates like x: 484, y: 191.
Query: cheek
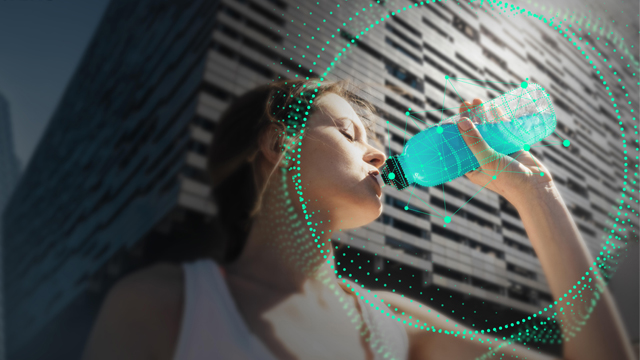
x: 326, y: 168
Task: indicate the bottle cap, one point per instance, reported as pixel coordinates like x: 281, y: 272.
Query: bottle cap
x: 393, y: 174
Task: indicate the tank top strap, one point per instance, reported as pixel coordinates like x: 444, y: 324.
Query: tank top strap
x: 211, y: 326
x: 390, y: 340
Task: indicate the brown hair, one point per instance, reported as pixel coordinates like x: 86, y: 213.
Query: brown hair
x: 236, y: 144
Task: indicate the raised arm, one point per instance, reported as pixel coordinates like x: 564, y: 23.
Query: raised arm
x: 565, y: 260
x: 589, y: 332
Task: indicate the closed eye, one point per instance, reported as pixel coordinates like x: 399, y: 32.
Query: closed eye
x: 347, y: 135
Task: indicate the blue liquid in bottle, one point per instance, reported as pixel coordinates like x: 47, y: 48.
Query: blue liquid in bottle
x: 439, y: 153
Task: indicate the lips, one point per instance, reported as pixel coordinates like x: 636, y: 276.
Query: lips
x: 372, y: 176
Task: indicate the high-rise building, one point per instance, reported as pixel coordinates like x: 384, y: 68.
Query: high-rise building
x: 119, y: 173
x: 9, y: 172
x: 117, y: 159
x: 9, y: 167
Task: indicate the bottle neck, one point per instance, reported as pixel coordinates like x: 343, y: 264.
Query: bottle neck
x: 393, y: 174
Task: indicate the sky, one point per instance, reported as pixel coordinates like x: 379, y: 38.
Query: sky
x: 41, y: 43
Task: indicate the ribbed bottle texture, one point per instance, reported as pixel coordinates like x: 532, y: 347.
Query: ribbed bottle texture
x: 439, y: 153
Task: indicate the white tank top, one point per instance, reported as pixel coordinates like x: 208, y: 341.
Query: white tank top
x: 213, y: 328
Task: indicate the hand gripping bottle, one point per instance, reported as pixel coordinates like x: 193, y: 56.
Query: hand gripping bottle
x: 439, y: 154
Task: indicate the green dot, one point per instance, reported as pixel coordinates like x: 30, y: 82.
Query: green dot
x: 566, y: 143
x: 447, y: 219
x: 392, y: 176
x: 524, y: 84
x: 526, y: 147
x: 494, y: 177
x: 446, y: 76
x: 407, y: 113
x: 439, y: 130
x: 406, y: 208
x: 541, y: 174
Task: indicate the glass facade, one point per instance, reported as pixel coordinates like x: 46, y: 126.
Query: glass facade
x: 114, y: 167
x: 9, y: 172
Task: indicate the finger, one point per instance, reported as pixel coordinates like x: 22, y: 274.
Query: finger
x: 479, y: 110
x: 477, y: 101
x: 525, y: 158
x: 472, y: 137
x: 501, y: 115
x: 496, y: 113
x: 465, y: 106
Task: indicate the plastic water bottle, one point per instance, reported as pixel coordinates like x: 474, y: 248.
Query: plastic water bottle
x: 439, y: 153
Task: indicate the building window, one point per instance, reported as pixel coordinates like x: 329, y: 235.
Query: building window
x: 449, y: 273
x: 514, y: 228
x: 521, y: 293
x: 403, y: 37
x: 448, y: 234
x: 403, y: 50
x: 522, y: 248
x: 407, y: 27
x: 405, y: 94
x: 407, y: 248
x: 396, y: 105
x: 404, y: 226
x: 483, y: 284
x: 521, y: 271
x: 404, y: 76
x: 465, y: 28
x: 399, y: 204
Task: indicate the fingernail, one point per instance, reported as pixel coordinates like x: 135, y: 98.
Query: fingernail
x: 465, y: 124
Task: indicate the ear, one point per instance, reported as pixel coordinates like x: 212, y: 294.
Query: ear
x: 270, y: 143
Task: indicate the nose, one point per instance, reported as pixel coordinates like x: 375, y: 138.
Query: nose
x: 374, y: 157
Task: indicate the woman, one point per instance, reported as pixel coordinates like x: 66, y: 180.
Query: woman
x: 286, y: 176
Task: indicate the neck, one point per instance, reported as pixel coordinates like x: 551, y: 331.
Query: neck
x: 280, y: 254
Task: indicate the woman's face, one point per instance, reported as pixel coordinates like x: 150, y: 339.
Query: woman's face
x: 337, y: 165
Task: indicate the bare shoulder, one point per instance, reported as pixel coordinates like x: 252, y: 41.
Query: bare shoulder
x: 140, y: 317
x: 161, y: 282
x: 410, y: 307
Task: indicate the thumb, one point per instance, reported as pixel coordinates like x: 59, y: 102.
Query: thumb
x: 479, y: 148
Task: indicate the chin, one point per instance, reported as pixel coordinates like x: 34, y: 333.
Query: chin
x: 367, y: 212
x: 372, y: 207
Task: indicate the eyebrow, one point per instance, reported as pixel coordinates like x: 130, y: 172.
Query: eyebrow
x: 366, y: 140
